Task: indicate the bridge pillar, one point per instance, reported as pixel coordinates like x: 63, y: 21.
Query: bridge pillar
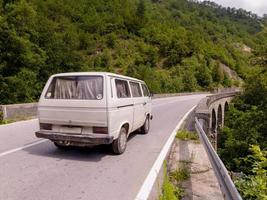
x: 213, y: 129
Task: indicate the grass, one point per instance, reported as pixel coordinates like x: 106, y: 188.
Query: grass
x: 1, y: 117
x: 14, y: 119
x: 186, y: 135
x: 170, y: 191
x: 5, y: 121
x: 180, y: 174
x: 172, y: 183
x: 186, y: 161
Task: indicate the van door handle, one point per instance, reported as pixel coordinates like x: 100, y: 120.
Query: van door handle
x: 144, y: 103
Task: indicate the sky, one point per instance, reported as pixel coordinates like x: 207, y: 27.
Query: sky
x: 256, y: 6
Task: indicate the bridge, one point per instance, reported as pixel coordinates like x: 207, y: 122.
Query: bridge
x: 32, y: 169
x: 211, y: 111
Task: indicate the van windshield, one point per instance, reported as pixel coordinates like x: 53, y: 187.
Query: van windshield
x: 76, y: 87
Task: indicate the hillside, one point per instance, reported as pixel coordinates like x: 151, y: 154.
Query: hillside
x: 174, y: 45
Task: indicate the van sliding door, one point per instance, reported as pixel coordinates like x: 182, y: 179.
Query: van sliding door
x: 121, y: 106
x: 139, y: 105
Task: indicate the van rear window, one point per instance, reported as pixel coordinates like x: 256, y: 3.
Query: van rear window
x: 76, y: 87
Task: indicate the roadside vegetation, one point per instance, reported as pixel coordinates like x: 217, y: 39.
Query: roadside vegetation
x: 5, y: 122
x: 1, y: 117
x: 243, y: 144
x: 186, y: 135
x: 172, y: 183
x: 173, y: 178
x: 253, y: 185
x: 169, y: 191
x: 174, y: 45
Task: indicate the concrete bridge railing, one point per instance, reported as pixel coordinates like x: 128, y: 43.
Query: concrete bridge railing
x: 16, y: 112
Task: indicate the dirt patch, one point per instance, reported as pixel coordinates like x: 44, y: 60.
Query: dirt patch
x: 202, y: 183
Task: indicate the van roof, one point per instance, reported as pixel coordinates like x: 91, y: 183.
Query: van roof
x: 96, y: 73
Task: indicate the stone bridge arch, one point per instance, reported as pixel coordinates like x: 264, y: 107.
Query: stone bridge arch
x: 220, y: 117
x: 218, y: 108
x: 226, y: 106
x: 213, y: 121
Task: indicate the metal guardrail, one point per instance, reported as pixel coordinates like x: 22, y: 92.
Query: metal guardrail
x: 227, y: 186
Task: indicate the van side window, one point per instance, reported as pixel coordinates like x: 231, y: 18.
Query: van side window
x: 145, y: 90
x: 136, y: 90
x: 122, y: 88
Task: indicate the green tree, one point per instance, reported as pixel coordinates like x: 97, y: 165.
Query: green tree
x: 141, y: 10
x: 21, y: 87
x: 171, y: 44
x: 254, y: 186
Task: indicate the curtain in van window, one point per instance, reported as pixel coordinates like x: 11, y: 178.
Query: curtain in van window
x: 90, y: 88
x: 122, y: 89
x: 64, y: 88
x: 136, y: 91
x: 79, y: 88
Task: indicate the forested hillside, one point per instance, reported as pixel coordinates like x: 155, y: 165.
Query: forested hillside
x: 174, y: 45
x: 243, y: 146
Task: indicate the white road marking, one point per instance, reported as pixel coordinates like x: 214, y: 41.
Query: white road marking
x: 23, y: 147
x: 153, y: 173
x: 157, y: 102
x: 169, y: 102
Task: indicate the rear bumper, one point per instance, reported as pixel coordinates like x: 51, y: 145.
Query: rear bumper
x: 75, y: 140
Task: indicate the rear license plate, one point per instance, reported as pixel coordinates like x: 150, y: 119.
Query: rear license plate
x: 76, y: 130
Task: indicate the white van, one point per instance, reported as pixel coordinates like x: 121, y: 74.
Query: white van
x: 92, y: 108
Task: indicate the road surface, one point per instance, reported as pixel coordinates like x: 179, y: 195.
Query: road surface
x: 34, y: 169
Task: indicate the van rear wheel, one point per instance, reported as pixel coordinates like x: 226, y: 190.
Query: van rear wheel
x: 145, y: 128
x: 119, y: 145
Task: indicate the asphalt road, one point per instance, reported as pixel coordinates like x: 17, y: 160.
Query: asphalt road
x: 34, y: 169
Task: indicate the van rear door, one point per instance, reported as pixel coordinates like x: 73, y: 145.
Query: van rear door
x: 74, y: 100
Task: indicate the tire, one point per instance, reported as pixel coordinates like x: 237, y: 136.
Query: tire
x: 119, y: 145
x: 145, y: 128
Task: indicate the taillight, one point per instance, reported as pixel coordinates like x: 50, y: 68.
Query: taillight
x: 45, y: 126
x: 100, y: 130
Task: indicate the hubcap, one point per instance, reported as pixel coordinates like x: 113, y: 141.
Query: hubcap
x: 123, y: 140
x: 147, y: 125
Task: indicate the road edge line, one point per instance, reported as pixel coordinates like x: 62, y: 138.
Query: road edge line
x: 23, y: 147
x: 147, y: 185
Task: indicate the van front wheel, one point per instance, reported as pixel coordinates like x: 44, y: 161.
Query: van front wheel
x: 119, y: 145
x: 145, y: 128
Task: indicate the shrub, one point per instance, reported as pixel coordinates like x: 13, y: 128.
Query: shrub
x: 169, y: 191
x: 254, y: 186
x: 186, y: 135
